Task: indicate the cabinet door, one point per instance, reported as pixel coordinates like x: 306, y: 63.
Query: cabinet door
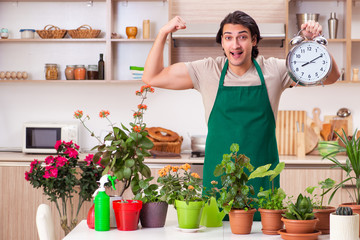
x: 296, y: 180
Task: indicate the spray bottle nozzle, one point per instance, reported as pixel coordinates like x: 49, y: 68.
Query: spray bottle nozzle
x: 103, y: 180
x: 112, y: 180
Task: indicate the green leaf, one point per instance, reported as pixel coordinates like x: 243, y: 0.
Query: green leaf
x: 127, y: 173
x: 129, y: 163
x: 261, y: 171
x: 143, y: 184
x: 230, y: 168
x: 219, y: 170
x: 234, y: 147
x: 278, y: 169
x: 145, y: 171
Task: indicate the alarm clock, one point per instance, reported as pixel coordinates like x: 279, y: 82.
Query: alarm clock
x: 308, y: 62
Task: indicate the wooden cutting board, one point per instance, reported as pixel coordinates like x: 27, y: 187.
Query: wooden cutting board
x: 286, y: 130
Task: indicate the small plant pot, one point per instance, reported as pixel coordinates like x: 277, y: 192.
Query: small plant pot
x: 344, y: 227
x: 189, y: 215
x: 271, y: 221
x: 91, y: 217
x: 127, y: 214
x: 354, y: 207
x: 323, y: 215
x: 241, y: 221
x: 300, y: 226
x: 211, y: 216
x: 153, y: 214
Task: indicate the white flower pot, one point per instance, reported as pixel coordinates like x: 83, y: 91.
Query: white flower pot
x: 344, y: 227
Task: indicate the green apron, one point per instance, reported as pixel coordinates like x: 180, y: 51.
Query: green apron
x: 243, y: 115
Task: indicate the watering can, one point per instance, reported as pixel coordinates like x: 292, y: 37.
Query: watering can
x: 211, y: 216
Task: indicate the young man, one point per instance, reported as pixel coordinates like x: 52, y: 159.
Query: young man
x: 241, y: 90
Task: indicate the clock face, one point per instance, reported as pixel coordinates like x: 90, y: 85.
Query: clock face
x: 308, y: 63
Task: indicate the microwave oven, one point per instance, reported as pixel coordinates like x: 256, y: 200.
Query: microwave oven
x: 41, y: 137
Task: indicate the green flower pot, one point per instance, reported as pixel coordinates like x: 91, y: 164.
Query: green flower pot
x: 189, y: 215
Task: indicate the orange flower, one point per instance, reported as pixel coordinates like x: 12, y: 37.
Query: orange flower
x: 147, y: 88
x: 175, y: 169
x: 186, y: 166
x: 137, y: 114
x: 167, y: 168
x: 195, y: 175
x: 190, y: 187
x: 142, y: 106
x: 213, y: 182
x: 138, y: 93
x: 162, y: 173
x: 104, y: 113
x: 78, y: 114
x: 136, y: 128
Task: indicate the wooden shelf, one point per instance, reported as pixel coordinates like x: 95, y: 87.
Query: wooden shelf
x: 54, y: 40
x: 70, y: 81
x: 131, y: 40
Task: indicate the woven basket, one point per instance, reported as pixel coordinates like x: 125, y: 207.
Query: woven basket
x: 173, y: 147
x: 84, y: 31
x: 51, y: 31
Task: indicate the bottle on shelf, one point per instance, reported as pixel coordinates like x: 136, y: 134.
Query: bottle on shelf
x: 101, y: 67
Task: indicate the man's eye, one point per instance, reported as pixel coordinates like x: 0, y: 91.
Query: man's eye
x: 227, y: 38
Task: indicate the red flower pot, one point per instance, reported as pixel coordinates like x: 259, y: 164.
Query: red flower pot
x: 127, y: 214
x: 91, y: 218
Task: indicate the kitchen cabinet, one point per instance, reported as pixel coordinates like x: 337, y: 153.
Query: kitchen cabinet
x: 110, y: 16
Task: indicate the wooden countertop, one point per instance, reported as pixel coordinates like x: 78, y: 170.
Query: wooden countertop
x: 21, y: 159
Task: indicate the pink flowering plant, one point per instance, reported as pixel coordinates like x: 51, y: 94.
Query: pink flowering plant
x: 62, y: 177
x: 123, y: 149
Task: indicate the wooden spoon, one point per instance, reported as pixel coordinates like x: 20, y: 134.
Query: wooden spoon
x: 326, y: 131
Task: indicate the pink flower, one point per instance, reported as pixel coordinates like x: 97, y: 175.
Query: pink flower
x: 72, y: 152
x: 50, y: 172
x: 49, y: 160
x: 33, y: 165
x: 58, y: 144
x: 89, y: 159
x: 61, y: 161
x: 27, y: 177
x: 99, y: 163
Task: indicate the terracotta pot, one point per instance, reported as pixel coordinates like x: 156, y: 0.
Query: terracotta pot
x: 153, y: 214
x: 271, y: 221
x: 354, y: 207
x: 323, y: 215
x: 241, y: 221
x: 300, y: 226
x: 131, y: 32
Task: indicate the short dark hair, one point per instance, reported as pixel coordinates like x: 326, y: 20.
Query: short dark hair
x: 239, y: 17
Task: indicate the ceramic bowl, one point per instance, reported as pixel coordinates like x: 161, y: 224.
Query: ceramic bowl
x: 131, y: 32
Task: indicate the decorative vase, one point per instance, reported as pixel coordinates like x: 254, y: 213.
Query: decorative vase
x: 354, y: 207
x: 241, y: 221
x: 333, y: 25
x: 211, y: 216
x: 323, y: 215
x: 344, y: 227
x: 153, y: 214
x: 189, y: 215
x: 127, y: 214
x: 300, y: 226
x: 131, y: 32
x: 271, y: 221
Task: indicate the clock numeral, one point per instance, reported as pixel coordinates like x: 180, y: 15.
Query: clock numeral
x: 323, y: 62
x: 298, y: 56
x: 302, y: 51
x: 316, y: 74
x: 297, y: 69
x: 302, y: 73
x: 322, y: 69
x: 309, y: 76
x: 308, y: 48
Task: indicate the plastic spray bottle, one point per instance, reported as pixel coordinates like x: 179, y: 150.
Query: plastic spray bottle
x: 102, y: 204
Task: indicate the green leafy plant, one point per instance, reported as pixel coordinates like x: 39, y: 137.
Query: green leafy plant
x: 122, y: 151
x: 301, y: 210
x: 352, y: 165
x: 236, y: 192
x: 273, y: 197
x: 147, y: 192
x: 179, y: 183
x: 325, y: 187
x: 59, y: 179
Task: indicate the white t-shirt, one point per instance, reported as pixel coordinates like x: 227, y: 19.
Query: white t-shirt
x: 205, y: 75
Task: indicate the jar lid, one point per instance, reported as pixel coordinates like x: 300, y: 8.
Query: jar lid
x: 50, y: 64
x: 4, y: 30
x: 79, y: 66
x: 31, y: 30
x: 72, y: 66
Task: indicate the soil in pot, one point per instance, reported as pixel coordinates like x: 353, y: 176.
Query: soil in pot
x: 241, y: 221
x: 300, y: 226
x: 323, y: 215
x: 153, y: 214
x: 271, y: 221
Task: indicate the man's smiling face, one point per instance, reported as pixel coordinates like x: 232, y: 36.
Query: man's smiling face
x: 237, y: 44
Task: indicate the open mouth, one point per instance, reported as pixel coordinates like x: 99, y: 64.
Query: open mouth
x: 236, y: 54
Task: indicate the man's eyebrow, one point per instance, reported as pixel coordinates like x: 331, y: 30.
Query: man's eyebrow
x: 238, y: 32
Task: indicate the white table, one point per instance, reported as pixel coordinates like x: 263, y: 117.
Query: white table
x: 169, y: 232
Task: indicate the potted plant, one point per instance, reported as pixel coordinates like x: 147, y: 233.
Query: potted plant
x: 183, y: 189
x: 127, y: 214
x: 271, y: 205
x: 299, y: 218
x: 60, y: 179
x: 122, y: 151
x: 351, y: 146
x: 344, y: 224
x: 154, y: 210
x: 235, y: 194
x: 322, y: 212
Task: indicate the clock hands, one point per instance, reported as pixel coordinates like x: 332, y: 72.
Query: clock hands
x: 312, y: 61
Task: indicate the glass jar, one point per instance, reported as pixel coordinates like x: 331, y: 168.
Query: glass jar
x: 92, y: 72
x: 69, y: 72
x: 51, y: 71
x: 80, y: 72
